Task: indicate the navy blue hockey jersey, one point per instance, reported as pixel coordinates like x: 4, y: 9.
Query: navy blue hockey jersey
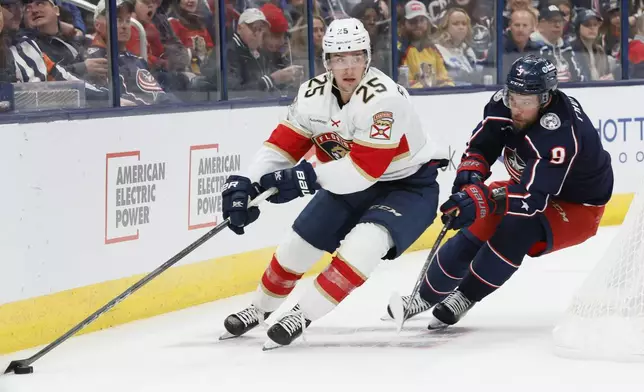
x: 560, y: 155
x: 138, y: 85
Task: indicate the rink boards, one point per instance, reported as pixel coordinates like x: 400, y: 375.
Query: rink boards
x: 93, y: 205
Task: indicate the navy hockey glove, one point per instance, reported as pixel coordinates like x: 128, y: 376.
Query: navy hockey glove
x: 473, y: 202
x: 236, y: 194
x: 472, y: 170
x: 291, y: 183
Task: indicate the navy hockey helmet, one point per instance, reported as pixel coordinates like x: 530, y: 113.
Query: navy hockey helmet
x: 531, y: 75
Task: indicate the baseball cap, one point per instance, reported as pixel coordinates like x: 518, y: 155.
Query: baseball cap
x: 550, y: 12
x: 585, y: 14
x: 100, y: 7
x: 275, y: 18
x: 251, y: 15
x: 415, y: 8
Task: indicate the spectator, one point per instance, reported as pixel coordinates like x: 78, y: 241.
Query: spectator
x: 517, y: 39
x: 144, y: 11
x: 42, y: 17
x: 636, y: 50
x: 370, y: 13
x: 7, y: 66
x: 569, y: 33
x: 453, y: 41
x: 517, y: 5
x: 28, y: 64
x: 275, y: 38
x: 611, y: 29
x: 178, y: 57
x: 299, y: 44
x: 426, y: 67
x: 549, y: 39
x: 188, y: 24
x: 247, y: 69
x: 273, y: 45
x: 591, y: 55
x: 482, y: 12
x: 138, y: 86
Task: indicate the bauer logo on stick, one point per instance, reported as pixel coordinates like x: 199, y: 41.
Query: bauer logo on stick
x: 381, y: 128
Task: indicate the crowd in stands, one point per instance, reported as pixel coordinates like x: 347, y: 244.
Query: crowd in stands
x: 440, y: 43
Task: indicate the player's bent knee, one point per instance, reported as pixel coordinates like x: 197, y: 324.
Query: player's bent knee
x: 365, y: 246
x: 296, y: 254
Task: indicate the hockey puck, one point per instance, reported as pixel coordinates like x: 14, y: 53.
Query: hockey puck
x: 23, y: 369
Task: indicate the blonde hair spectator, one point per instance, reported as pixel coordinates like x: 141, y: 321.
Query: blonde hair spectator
x: 453, y: 41
x: 299, y: 43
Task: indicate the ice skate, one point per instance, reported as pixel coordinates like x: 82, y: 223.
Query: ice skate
x: 241, y: 322
x: 450, y: 310
x: 286, y: 329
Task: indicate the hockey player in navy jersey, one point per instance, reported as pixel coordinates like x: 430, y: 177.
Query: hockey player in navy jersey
x: 560, y: 180
x: 375, y: 184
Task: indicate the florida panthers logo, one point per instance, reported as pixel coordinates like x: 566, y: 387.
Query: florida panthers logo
x: 333, y: 145
x: 513, y: 163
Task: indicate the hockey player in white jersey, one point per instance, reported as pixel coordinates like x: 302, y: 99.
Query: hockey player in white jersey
x: 375, y: 185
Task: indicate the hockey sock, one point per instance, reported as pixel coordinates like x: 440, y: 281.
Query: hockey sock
x: 291, y: 260
x: 331, y: 286
x: 448, y: 267
x: 501, y: 256
x: 276, y: 284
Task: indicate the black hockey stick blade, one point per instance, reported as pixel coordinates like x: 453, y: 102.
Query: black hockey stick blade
x: 22, y: 366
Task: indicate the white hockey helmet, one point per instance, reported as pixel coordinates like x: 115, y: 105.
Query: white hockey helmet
x: 345, y: 35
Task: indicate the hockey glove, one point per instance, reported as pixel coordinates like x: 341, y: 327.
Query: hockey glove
x: 291, y: 183
x: 237, y: 193
x: 473, y: 169
x: 473, y: 202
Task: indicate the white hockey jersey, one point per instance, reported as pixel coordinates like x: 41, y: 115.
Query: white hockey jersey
x: 376, y: 136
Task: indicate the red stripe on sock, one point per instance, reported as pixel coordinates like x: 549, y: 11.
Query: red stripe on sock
x: 346, y: 271
x: 277, y: 280
x: 338, y: 280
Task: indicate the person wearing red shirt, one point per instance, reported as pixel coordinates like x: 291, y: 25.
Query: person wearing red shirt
x: 190, y: 27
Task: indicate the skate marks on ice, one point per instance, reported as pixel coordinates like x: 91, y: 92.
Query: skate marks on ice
x: 414, y: 336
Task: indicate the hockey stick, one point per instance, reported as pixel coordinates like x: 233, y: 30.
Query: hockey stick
x: 395, y: 302
x: 23, y: 366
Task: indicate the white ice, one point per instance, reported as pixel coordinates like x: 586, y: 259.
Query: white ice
x: 504, y: 344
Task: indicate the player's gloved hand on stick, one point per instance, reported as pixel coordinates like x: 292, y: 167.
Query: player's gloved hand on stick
x: 473, y: 202
x: 237, y: 193
x: 291, y: 183
x: 473, y: 169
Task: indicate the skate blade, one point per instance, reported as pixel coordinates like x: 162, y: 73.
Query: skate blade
x: 386, y: 318
x: 271, y: 345
x: 227, y: 335
x: 435, y: 324
x: 397, y: 307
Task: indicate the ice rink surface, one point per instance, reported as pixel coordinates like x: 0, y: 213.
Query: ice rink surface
x: 503, y: 344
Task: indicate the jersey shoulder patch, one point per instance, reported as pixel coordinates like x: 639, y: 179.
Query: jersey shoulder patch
x: 550, y: 121
x: 497, y: 96
x: 381, y: 127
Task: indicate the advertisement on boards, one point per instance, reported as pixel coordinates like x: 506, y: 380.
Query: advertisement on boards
x: 131, y: 189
